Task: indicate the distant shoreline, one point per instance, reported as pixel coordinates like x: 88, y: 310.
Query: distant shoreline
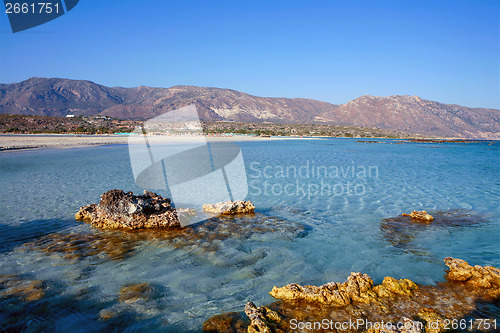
x: 38, y: 141
x: 14, y: 142
x: 11, y: 142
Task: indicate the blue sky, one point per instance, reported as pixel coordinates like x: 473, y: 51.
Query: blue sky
x: 333, y: 51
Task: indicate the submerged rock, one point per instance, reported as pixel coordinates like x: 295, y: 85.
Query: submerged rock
x: 120, y: 210
x: 230, y: 207
x: 141, y: 299
x: 416, y: 309
x: 208, y: 237
x: 404, y: 232
x: 13, y: 286
x: 73, y: 246
x: 212, y: 234
x: 134, y: 292
x: 421, y: 216
x: 28, y: 304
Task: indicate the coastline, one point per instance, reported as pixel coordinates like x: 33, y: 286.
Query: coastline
x: 12, y: 142
x: 62, y: 141
x: 39, y: 141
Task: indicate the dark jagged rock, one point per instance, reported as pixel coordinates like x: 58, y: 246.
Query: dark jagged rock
x: 120, y: 210
x: 230, y: 207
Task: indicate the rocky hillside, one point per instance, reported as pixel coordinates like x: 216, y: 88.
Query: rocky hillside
x: 415, y: 115
x: 59, y: 97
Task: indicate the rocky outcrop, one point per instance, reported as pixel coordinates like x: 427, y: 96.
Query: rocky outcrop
x: 120, y: 210
x: 487, y: 277
x: 421, y: 216
x: 358, y: 288
x: 230, y: 207
x: 400, y: 304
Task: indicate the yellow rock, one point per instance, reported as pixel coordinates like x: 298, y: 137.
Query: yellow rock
x: 391, y: 286
x: 357, y: 288
x: 422, y: 216
x: 487, y: 277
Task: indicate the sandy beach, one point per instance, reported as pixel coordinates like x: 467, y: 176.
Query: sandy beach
x: 16, y: 142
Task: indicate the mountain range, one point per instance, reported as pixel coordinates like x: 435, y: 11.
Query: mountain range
x: 412, y: 114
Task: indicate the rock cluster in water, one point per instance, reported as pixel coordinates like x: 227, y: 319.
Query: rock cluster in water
x: 120, y: 210
x: 230, y: 207
x: 421, y: 216
x: 470, y: 291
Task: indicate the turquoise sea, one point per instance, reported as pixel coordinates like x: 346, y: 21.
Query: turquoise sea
x: 339, y: 191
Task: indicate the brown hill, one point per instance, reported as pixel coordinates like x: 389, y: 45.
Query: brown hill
x: 415, y: 115
x: 59, y: 97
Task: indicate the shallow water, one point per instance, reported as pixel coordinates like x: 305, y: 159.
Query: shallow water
x: 308, y: 183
